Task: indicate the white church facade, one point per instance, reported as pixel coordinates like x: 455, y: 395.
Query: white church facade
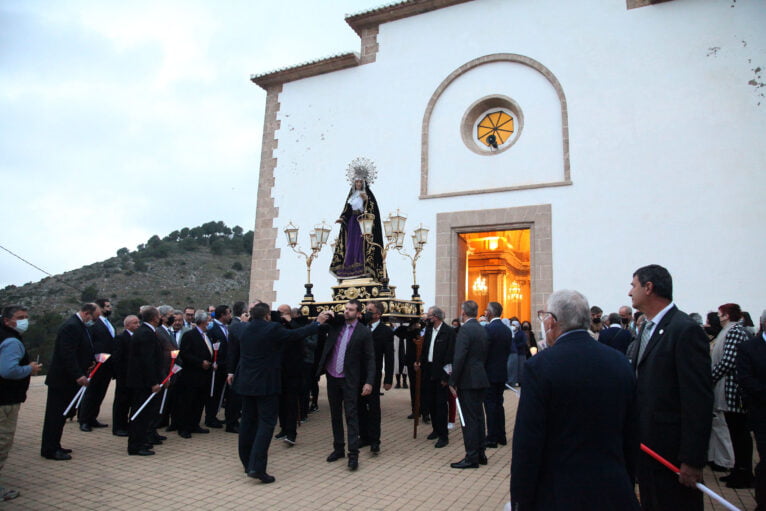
x: 545, y: 144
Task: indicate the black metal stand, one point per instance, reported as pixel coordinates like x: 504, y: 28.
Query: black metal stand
x: 415, y: 295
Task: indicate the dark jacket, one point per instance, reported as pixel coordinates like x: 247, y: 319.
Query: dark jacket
x: 675, y: 390
x: 470, y: 356
x: 444, y: 351
x: 575, y: 442
x: 103, y: 342
x: 194, y: 351
x: 72, y: 353
x: 120, y: 356
x: 500, y: 339
x: 751, y: 376
x: 13, y: 391
x: 216, y: 334
x: 360, y: 356
x: 144, y: 359
x: 260, y: 356
x: 383, y: 344
x: 617, y: 338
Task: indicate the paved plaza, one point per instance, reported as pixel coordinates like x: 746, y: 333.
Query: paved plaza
x: 205, y: 473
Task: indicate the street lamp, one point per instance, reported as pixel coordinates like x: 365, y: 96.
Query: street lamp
x: 318, y: 238
x: 419, y: 240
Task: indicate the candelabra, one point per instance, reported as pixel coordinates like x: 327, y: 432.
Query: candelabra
x: 318, y: 238
x: 419, y: 240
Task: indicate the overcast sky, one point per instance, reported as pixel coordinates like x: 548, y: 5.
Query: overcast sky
x: 120, y: 120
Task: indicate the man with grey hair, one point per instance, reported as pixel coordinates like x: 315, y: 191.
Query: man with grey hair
x: 469, y: 382
x: 751, y: 377
x: 576, y: 393
x: 194, y: 381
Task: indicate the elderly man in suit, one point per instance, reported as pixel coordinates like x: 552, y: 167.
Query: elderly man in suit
x: 102, y: 334
x: 500, y: 340
x: 258, y: 380
x: 671, y: 356
x: 369, y: 406
x: 751, y: 377
x: 469, y: 383
x: 143, y: 377
x: 72, y: 358
x: 575, y: 442
x: 436, y: 363
x: 348, y: 353
x: 121, y: 402
x: 194, y: 381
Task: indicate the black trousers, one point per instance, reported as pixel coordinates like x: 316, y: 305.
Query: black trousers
x: 94, y: 395
x: 191, y: 401
x: 289, y: 405
x: 59, y: 397
x: 141, y: 428
x: 493, y: 405
x: 437, y: 397
x: 120, y: 407
x: 413, y: 378
x: 307, y: 383
x: 660, y: 490
x: 740, y: 441
x: 233, y: 403
x: 759, y: 431
x: 473, y: 412
x: 259, y: 416
x: 211, y: 405
x: 369, y: 415
x: 343, y: 398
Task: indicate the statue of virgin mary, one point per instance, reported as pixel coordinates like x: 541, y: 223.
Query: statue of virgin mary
x: 354, y: 257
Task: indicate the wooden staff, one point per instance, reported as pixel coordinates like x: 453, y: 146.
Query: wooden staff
x: 418, y: 350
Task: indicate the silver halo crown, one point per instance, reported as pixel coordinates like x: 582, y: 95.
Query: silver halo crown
x: 361, y: 168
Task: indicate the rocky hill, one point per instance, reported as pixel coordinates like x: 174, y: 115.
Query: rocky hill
x: 199, y: 266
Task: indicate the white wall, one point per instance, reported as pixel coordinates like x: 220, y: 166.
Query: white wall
x: 667, y: 152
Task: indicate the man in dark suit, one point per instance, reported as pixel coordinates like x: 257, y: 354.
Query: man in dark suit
x: 469, y: 383
x: 258, y: 380
x: 347, y: 350
x: 169, y: 344
x: 575, y: 442
x: 751, y: 377
x: 614, y: 335
x: 671, y: 356
x: 218, y: 333
x: 434, y: 365
x: 121, y: 402
x: 292, y: 363
x: 408, y: 335
x: 144, y: 375
x: 72, y: 359
x: 369, y: 406
x: 500, y: 340
x: 102, y: 334
x: 194, y: 381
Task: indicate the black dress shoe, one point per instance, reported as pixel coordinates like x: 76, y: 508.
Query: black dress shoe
x: 120, y: 432
x: 464, y: 464
x: 233, y: 429
x: 375, y: 448
x: 214, y: 424
x: 159, y: 437
x: 353, y: 461
x: 443, y: 442
x: 67, y: 451
x: 280, y: 435
x: 411, y: 416
x: 184, y: 434
x: 172, y: 427
x: 96, y: 424
x: 86, y: 428
x: 154, y: 442
x: 490, y: 445
x: 363, y: 443
x: 335, y: 456
x: 503, y: 441
x: 142, y: 452
x: 715, y: 467
x: 58, y: 455
x: 433, y: 436
x: 200, y: 430
x: 483, y: 459
x: 262, y: 476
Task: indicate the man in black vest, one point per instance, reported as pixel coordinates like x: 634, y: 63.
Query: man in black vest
x: 70, y: 366
x: 15, y: 370
x: 102, y: 334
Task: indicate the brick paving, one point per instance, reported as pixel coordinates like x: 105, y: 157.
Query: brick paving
x: 205, y: 473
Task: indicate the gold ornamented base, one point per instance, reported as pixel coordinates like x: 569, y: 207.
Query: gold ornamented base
x: 365, y: 290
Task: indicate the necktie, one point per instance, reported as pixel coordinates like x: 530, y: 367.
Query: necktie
x: 342, y: 350
x: 645, y: 335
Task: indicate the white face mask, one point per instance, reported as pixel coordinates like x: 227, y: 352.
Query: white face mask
x: 22, y: 325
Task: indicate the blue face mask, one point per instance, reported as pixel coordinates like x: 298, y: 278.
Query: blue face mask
x: 210, y: 325
x: 483, y: 323
x: 22, y: 325
x: 90, y: 323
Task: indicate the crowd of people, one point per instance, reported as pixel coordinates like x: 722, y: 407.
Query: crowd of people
x: 690, y: 391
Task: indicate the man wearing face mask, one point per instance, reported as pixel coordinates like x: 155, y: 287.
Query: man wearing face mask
x: 15, y: 370
x: 71, y: 362
x: 102, y: 334
x: 595, y: 321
